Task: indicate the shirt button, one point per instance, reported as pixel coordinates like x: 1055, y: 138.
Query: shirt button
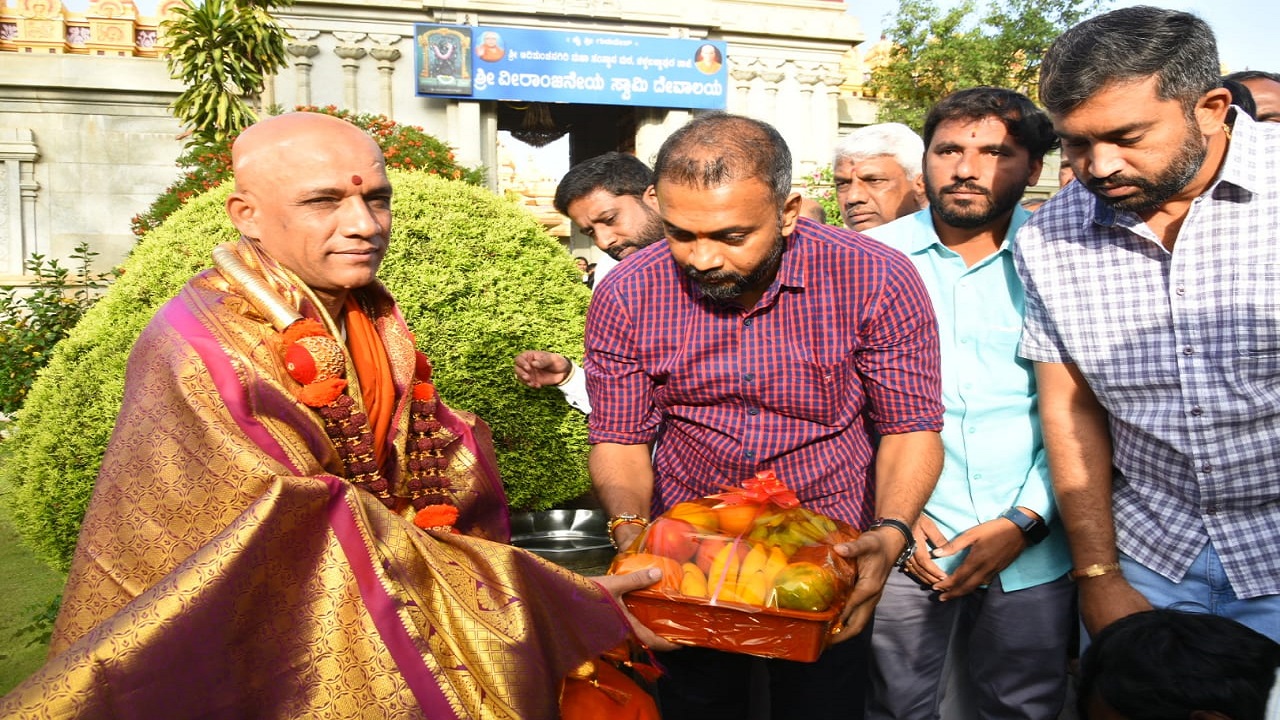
x: 748, y: 377
x: 1187, y: 350
x: 750, y: 453
x: 1196, y: 411
x: 1211, y: 510
x: 1181, y: 291
x: 752, y: 411
x: 973, y: 430
x: 977, y: 476
x: 1206, y: 468
x: 747, y: 322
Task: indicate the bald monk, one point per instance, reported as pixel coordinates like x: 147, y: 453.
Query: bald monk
x: 288, y: 522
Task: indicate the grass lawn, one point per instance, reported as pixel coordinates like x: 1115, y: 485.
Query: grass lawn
x: 26, y: 588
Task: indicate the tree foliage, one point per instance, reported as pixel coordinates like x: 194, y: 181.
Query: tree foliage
x: 35, y: 318
x: 222, y: 51
x: 936, y: 52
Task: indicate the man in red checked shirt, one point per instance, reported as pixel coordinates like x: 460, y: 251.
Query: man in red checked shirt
x: 754, y: 339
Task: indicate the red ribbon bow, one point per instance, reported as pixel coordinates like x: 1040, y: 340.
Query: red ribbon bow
x: 764, y: 487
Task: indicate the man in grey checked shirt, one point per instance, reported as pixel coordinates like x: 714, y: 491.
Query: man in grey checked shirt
x: 1153, y: 317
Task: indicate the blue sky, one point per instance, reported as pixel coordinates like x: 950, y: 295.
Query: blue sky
x: 1240, y: 25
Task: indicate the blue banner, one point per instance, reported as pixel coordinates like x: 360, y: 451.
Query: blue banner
x: 567, y: 66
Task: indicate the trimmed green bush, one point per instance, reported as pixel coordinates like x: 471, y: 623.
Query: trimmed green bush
x: 477, y: 278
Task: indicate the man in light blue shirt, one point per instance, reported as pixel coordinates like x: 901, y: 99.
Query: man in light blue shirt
x: 991, y: 561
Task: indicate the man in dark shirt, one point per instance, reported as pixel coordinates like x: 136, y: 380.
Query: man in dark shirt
x: 753, y: 339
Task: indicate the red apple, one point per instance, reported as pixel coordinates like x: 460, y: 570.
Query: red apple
x: 672, y: 538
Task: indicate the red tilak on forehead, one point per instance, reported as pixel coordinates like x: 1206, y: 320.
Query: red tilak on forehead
x: 356, y: 180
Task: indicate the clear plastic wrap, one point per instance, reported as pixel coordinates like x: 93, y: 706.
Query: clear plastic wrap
x: 748, y: 571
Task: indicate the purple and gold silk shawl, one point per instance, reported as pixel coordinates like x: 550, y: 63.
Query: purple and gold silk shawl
x: 224, y: 568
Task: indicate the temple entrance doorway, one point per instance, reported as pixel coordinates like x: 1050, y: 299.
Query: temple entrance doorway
x: 539, y: 142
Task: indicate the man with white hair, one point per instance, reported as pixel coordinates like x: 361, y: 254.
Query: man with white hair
x: 878, y: 176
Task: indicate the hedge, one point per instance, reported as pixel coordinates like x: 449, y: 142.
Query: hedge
x: 477, y: 279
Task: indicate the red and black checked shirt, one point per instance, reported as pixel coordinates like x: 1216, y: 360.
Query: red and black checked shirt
x: 846, y: 331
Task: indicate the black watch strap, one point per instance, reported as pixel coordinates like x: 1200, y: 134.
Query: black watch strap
x: 1033, y: 529
x: 903, y: 528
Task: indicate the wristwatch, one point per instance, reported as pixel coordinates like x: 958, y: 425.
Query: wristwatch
x: 903, y: 528
x: 1033, y: 529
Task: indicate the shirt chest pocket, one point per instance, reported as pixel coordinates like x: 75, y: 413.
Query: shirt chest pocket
x: 812, y: 392
x: 1256, y: 297
x: 997, y: 363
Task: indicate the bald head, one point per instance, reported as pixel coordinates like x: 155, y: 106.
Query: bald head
x: 312, y: 192
x: 813, y: 210
x: 270, y: 146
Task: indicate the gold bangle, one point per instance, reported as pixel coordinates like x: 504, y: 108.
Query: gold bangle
x: 624, y: 519
x: 1095, y: 570
x: 567, y: 378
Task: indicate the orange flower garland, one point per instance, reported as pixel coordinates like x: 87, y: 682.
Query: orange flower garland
x: 437, y: 517
x: 317, y: 362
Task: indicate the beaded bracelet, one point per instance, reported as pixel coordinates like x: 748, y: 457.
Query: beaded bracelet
x: 624, y: 519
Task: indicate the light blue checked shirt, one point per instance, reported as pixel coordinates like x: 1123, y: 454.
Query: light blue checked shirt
x: 1183, y: 351
x: 994, y: 455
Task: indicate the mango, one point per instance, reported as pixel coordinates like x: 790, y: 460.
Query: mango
x: 752, y: 588
x: 696, y: 514
x: 708, y: 547
x: 754, y: 560
x: 693, y: 583
x: 805, y: 586
x: 777, y: 560
x: 724, y: 567
x: 728, y: 593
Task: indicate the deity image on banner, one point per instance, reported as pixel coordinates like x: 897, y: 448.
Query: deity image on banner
x: 444, y: 60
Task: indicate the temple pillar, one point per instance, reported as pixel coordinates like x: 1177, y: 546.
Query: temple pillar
x: 351, y: 53
x: 385, y: 52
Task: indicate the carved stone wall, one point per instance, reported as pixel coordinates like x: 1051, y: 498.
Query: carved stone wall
x: 91, y: 143
x: 18, y: 189
x: 108, y: 27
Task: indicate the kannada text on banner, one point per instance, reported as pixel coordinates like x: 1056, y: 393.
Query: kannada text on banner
x: 517, y: 64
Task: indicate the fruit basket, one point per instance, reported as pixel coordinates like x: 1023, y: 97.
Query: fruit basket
x: 747, y: 571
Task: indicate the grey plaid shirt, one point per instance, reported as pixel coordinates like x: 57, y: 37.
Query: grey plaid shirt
x: 1183, y: 351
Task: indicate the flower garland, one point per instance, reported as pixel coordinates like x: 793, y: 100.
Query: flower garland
x: 317, y: 362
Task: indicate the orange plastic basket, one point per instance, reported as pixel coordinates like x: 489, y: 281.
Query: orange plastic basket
x: 765, y: 632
